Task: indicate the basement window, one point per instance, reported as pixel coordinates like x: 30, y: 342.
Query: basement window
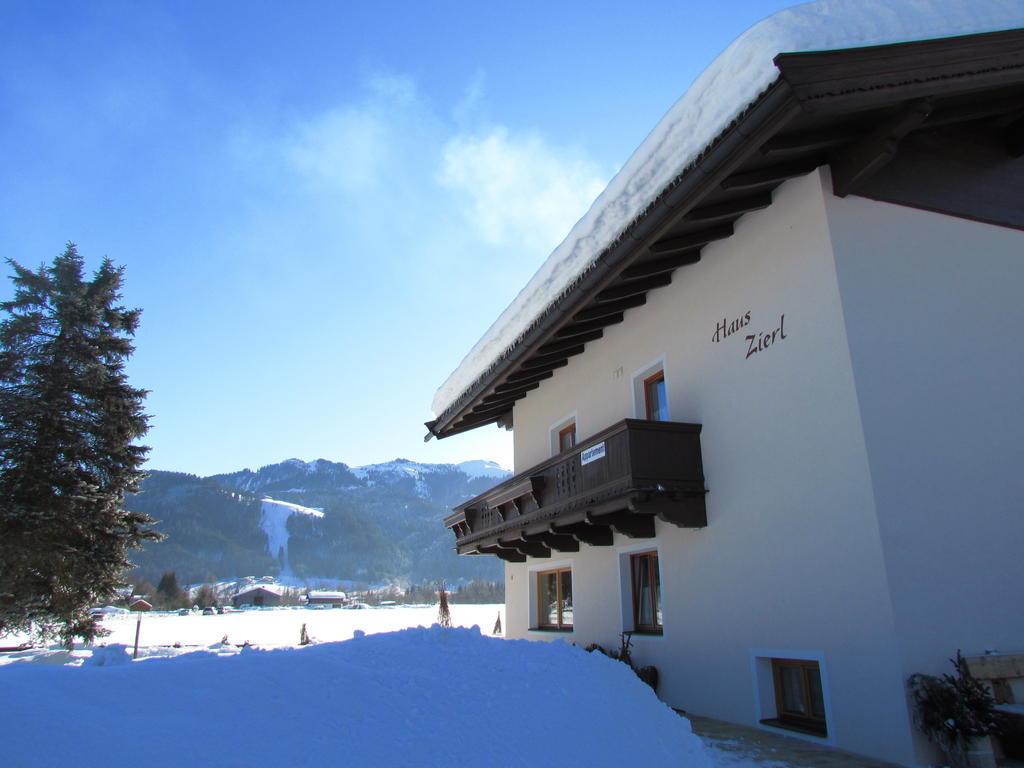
x: 799, y: 699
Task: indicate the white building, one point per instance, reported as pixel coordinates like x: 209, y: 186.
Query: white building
x: 817, y: 288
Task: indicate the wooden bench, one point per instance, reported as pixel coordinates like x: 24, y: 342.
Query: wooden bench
x: 1004, y: 674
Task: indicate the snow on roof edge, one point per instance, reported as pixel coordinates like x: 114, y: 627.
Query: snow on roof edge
x: 722, y: 92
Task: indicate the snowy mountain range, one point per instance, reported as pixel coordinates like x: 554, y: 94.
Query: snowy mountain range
x: 317, y: 520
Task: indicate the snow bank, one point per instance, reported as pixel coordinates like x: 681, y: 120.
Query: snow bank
x: 424, y: 697
x: 109, y: 655
x: 717, y: 96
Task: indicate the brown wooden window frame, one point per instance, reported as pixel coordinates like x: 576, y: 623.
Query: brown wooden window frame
x: 654, y: 378
x: 560, y: 625
x: 806, y: 721
x: 652, y: 568
x: 569, y: 429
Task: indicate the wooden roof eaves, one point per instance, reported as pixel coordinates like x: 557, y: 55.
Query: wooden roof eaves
x: 849, y: 79
x: 841, y: 81
x: 766, y: 115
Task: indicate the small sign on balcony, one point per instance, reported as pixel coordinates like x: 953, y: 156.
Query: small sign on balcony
x: 593, y: 453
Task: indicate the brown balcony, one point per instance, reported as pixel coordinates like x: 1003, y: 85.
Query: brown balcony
x: 618, y: 481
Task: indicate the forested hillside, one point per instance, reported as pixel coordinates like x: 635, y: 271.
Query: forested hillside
x: 380, y: 523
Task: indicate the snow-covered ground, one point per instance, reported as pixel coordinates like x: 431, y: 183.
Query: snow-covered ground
x: 384, y: 696
x: 266, y: 628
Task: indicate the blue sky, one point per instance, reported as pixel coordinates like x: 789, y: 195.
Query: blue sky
x: 322, y: 206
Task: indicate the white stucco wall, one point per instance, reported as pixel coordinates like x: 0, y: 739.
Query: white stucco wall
x: 932, y: 305
x: 791, y: 562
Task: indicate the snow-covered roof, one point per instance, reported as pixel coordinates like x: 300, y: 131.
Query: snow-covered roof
x: 718, y: 96
x: 275, y: 589
x: 322, y: 595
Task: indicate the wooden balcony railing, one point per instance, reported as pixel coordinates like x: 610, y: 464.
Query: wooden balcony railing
x: 618, y: 481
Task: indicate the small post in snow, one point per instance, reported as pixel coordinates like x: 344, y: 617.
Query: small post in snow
x: 138, y: 626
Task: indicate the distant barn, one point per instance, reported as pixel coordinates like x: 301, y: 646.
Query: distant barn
x: 333, y: 599
x: 259, y: 596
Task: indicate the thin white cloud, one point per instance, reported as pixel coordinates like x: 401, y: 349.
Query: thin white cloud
x: 344, y: 149
x: 470, y: 107
x: 519, y: 190
x: 358, y: 147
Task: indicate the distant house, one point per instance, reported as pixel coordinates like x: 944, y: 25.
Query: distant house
x: 263, y: 595
x: 140, y: 605
x: 335, y: 599
x: 767, y: 395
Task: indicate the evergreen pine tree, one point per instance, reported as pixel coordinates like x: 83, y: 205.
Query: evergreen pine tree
x: 68, y: 424
x: 168, y: 590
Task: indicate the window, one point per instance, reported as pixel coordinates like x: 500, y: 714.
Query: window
x: 567, y: 437
x: 646, y: 580
x: 563, y: 434
x: 655, y: 403
x: 650, y: 395
x: 799, y: 700
x: 554, y: 599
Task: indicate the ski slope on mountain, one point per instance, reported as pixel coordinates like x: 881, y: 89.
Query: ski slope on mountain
x: 274, y: 522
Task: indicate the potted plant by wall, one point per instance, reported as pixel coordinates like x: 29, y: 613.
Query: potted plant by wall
x: 957, y: 713
x: 624, y: 653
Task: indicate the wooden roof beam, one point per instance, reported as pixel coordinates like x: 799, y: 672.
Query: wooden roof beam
x: 586, y: 533
x: 1013, y: 137
x: 468, y: 422
x: 490, y: 410
x: 509, y: 386
x: 578, y: 328
x: 634, y: 287
x: 773, y: 175
x: 630, y: 524
x: 530, y: 375
x: 561, y: 346
x: 542, y: 361
x: 507, y: 403
x: 505, y: 553
x: 609, y: 309
x: 557, y: 542
x: 533, y: 549
x: 731, y: 209
x: 665, y: 264
x: 811, y: 141
x: 974, y: 110
x: 858, y: 162
x: 501, y: 397
x: 693, y: 240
